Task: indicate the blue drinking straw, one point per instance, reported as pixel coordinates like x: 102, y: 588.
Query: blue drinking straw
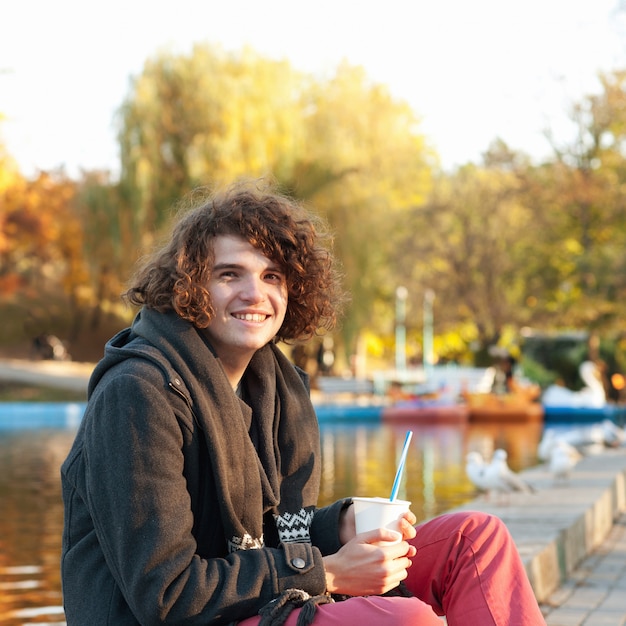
x: 396, y: 482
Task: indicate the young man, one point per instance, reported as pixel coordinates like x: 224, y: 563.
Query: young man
x: 190, y: 492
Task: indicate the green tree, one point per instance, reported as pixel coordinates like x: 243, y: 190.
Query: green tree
x: 585, y: 226
x: 199, y: 120
x: 469, y: 252
x: 343, y: 143
x: 108, y: 244
x: 365, y: 166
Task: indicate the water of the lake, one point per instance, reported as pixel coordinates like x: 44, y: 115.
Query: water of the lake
x: 357, y: 460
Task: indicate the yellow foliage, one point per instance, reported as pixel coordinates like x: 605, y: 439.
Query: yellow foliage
x: 374, y: 344
x: 40, y: 236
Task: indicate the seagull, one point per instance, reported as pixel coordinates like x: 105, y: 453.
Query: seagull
x: 614, y: 436
x: 499, y: 477
x: 546, y: 445
x: 583, y: 436
x: 551, y: 440
x: 563, y: 459
x: 589, y: 439
x: 475, y: 468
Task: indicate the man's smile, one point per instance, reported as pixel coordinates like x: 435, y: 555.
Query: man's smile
x: 251, y: 317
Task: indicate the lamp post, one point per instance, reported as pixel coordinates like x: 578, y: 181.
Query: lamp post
x: 401, y: 296
x: 429, y: 356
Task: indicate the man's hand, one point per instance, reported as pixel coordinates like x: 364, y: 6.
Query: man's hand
x: 371, y: 563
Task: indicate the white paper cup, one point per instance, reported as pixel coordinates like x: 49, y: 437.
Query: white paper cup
x: 373, y: 513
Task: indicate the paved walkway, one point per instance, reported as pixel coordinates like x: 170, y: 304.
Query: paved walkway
x: 595, y: 592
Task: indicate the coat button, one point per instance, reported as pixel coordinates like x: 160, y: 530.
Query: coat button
x: 298, y: 563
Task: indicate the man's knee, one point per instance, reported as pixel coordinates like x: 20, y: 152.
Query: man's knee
x: 469, y: 521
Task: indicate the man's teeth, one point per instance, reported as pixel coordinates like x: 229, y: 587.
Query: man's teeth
x: 250, y: 317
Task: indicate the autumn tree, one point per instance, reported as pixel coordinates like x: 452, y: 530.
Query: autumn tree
x: 466, y: 244
x: 516, y: 243
x: 9, y: 178
x: 583, y: 210
x: 202, y: 119
x: 42, y: 256
x: 107, y: 241
x: 343, y: 144
x: 365, y: 165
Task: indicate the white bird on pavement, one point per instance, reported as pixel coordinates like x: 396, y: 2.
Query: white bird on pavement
x: 614, y: 435
x: 500, y: 478
x: 475, y: 468
x: 563, y: 459
x: 546, y: 445
x: 551, y: 439
x: 588, y: 439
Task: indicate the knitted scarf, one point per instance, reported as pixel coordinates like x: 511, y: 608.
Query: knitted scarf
x: 281, y: 473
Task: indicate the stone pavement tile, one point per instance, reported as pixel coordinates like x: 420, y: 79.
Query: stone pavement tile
x: 560, y: 596
x: 615, y: 601
x: 585, y: 598
x: 599, y: 618
x: 565, y: 617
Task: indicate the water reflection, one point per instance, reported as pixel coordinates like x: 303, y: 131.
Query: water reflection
x: 518, y: 439
x: 362, y: 460
x: 31, y: 525
x: 356, y: 460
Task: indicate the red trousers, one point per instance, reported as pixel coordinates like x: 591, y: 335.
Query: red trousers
x: 467, y: 568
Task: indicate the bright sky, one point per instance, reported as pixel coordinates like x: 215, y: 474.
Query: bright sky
x: 472, y: 70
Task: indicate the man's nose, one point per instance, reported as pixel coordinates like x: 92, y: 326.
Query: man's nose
x: 253, y: 289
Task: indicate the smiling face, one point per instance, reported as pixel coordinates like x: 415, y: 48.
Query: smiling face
x: 249, y: 295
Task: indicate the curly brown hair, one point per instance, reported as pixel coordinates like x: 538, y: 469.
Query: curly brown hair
x: 175, y: 277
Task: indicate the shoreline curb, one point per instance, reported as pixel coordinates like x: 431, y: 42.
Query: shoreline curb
x: 560, y: 525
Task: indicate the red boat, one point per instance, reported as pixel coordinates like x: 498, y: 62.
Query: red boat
x: 424, y: 412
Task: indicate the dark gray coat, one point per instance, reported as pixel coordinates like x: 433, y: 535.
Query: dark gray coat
x: 143, y: 541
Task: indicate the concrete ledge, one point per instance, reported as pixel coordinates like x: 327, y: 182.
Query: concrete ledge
x: 556, y: 527
x: 70, y: 375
